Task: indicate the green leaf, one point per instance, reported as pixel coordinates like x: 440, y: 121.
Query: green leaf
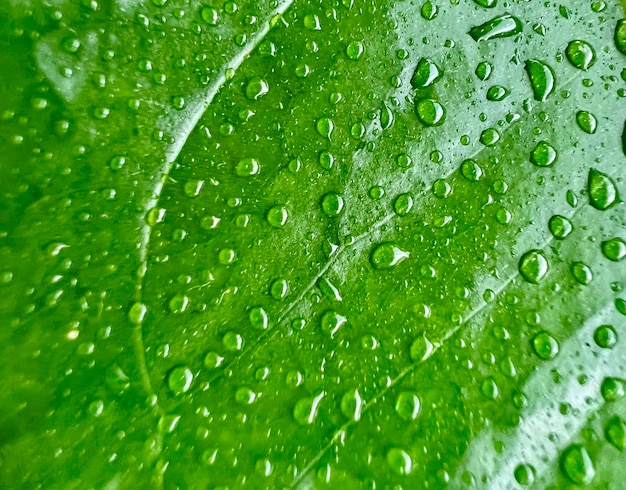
x: 312, y: 245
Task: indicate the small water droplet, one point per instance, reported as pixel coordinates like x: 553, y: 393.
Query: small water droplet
x: 245, y: 396
x: 232, y: 341
x: 545, y: 346
x: 602, y: 190
x: 325, y: 127
x: 386, y: 116
x: 483, y: 70
x: 213, y: 360
x: 441, y: 189
x: 312, y: 22
x: 355, y: 50
x: 533, y: 266
x: 429, y: 10
x: 524, y: 475
x: 258, y: 318
x: 277, y: 216
x: 137, y: 313
x: 179, y: 303
x: 403, y: 204
x: 497, y: 93
x: 615, y: 431
x: 331, y: 322
x: 421, y: 349
x: 560, y: 226
x: 605, y: 336
x: 582, y: 273
x: 426, y: 73
x: 326, y: 160
x: 471, y: 170
x: 386, y: 255
x: 404, y: 161
x: 612, y: 389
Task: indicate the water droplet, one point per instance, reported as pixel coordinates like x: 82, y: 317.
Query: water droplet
x: 117, y: 380
x: 545, y: 346
x: 533, y: 266
x: 441, y: 189
x: 577, y: 465
x: 497, y: 93
x: 325, y: 127
x: 245, y: 396
x: 376, y: 192
x: 332, y: 204
x: 605, y: 336
x: 541, y: 77
x: 331, y: 322
x: 193, y: 187
x: 408, y: 405
x: 386, y: 255
x: 471, y: 170
x: 489, y: 137
x: 247, y: 167
x: 179, y: 303
x: 227, y: 256
x: 167, y: 423
x: 386, y: 116
x: 209, y: 222
x: 501, y: 26
x: 560, y: 226
x: 312, y: 22
x: 326, y: 160
x: 305, y: 409
x: 279, y: 289
x: 587, y: 122
x: 137, y: 313
x: 403, y: 204
x: 232, y: 341
x: 258, y: 318
x: 614, y: 249
x: 429, y: 11
x: 582, y: 273
x: 264, y: 467
x: 277, y: 216
x: 355, y: 50
x: 602, y: 190
x: 580, y: 54
x: 615, y: 431
x: 426, y: 73
x: 256, y: 88
x: 399, y: 461
x: 486, y: 3
x: 612, y: 389
x: 489, y: 388
x: 404, y: 161
x: 117, y: 162
x: 421, y: 349
x: 430, y: 112
x: 179, y: 380
x: 213, y: 360
x: 543, y: 155
x: 524, y: 475
x: 328, y: 289
x: 620, y: 36
x: 209, y: 15
x: 503, y: 216
x: 351, y: 405
x: 483, y: 70
x: 96, y: 408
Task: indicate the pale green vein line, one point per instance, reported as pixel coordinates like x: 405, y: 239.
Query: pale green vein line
x: 171, y: 155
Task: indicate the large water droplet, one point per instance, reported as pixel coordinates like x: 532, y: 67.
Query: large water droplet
x: 577, y: 465
x: 587, y: 122
x: 277, y: 216
x: 524, y: 475
x: 386, y: 255
x: 179, y: 380
x: 305, y: 409
x: 560, y: 226
x: 257, y: 87
x: 430, y: 112
x: 332, y: 204
x: 620, y: 36
x: 582, y: 273
x: 426, y: 73
x: 501, y: 26
x: 541, y: 77
x: 533, y: 266
x: 408, y: 405
x: 605, y: 336
x: 399, y: 461
x: 247, y: 167
x: 580, y: 54
x: 545, y: 346
x: 602, y: 190
x: 543, y: 155
x: 614, y: 249
x: 612, y: 389
x: 352, y: 404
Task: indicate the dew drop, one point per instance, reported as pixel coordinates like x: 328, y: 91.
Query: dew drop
x: 483, y: 70
x: 543, y: 155
x: 256, y: 88
x: 541, y: 77
x: 408, y: 405
x: 355, y: 50
x: 213, y: 360
x: 421, y: 349
x: 325, y: 127
x: 279, y: 289
x: 179, y: 303
x: 430, y: 112
x: 580, y: 54
x: 258, y: 318
x: 403, y: 204
x: 524, y: 475
x: 615, y: 432
x: 605, y: 336
x: 501, y: 26
x: 614, y: 249
x: 577, y: 465
x: 247, y: 167
x: 560, y: 226
x: 404, y: 161
x: 399, y: 461
x: 331, y: 322
x: 533, y: 266
x: 137, y: 313
x: 582, y: 273
x: 426, y: 73
x: 587, y: 122
x: 305, y: 409
x: 277, y: 216
x: 602, y: 190
x: 545, y: 346
x: 497, y: 93
x: 612, y: 389
x: 471, y: 170
x: 387, y: 255
x: 179, y: 380
x: 351, y: 405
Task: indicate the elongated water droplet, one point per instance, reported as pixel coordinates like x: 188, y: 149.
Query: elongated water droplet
x: 602, y: 190
x: 179, y: 380
x: 386, y: 255
x: 426, y: 73
x: 542, y: 79
x: 533, y: 266
x: 325, y: 127
x: 331, y: 322
x: 501, y: 26
x: 497, y: 93
x: 577, y: 465
x: 386, y: 116
x: 615, y: 432
x: 582, y: 273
